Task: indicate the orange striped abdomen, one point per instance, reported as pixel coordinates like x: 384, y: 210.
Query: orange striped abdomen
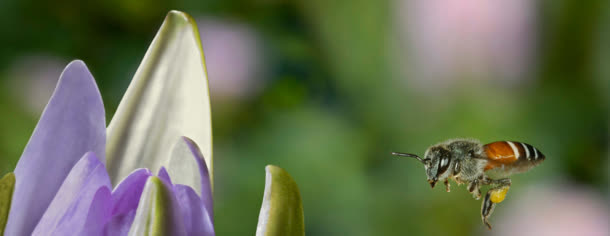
x: 512, y: 154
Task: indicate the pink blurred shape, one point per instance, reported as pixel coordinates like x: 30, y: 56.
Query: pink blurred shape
x: 476, y: 39
x: 553, y: 210
x: 234, y: 58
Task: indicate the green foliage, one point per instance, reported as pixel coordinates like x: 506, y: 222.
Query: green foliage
x: 7, y: 185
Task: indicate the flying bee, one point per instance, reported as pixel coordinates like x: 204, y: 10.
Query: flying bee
x: 467, y: 161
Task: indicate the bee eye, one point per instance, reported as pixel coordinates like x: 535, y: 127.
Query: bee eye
x: 471, y: 153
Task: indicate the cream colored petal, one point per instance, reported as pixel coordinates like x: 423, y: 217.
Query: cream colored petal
x: 167, y: 98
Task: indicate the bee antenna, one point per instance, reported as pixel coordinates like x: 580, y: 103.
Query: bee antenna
x: 409, y: 155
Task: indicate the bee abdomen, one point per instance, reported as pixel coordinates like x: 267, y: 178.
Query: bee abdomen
x: 510, y: 152
x: 529, y: 152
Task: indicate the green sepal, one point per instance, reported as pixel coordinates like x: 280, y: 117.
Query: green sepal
x: 156, y: 211
x: 7, y: 186
x: 282, y: 210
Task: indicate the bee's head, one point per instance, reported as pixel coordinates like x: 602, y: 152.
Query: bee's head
x: 436, y: 162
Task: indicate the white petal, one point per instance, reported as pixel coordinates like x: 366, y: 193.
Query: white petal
x: 186, y: 166
x: 167, y: 98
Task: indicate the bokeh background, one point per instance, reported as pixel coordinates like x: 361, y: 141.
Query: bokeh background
x: 327, y: 89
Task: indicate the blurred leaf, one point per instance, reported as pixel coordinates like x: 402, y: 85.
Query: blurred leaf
x: 282, y: 211
x: 7, y: 185
x: 167, y: 98
x: 17, y: 126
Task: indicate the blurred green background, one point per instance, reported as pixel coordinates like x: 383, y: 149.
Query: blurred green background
x: 327, y: 89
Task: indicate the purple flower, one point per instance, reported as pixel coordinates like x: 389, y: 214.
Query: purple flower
x: 62, y: 186
x: 75, y: 177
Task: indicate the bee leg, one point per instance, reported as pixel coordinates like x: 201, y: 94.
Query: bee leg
x: 474, y: 187
x: 493, y: 197
x: 497, y: 182
x: 487, y: 208
x: 447, y: 186
x: 503, y: 182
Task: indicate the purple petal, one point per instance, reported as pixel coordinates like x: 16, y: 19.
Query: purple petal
x: 72, y: 124
x: 158, y: 211
x: 127, y: 194
x: 71, y: 205
x: 187, y: 167
x: 197, y: 220
x: 165, y: 176
x: 125, y: 198
x: 99, y: 213
x: 119, y: 224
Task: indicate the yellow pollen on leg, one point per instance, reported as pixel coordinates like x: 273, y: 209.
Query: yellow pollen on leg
x: 498, y: 195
